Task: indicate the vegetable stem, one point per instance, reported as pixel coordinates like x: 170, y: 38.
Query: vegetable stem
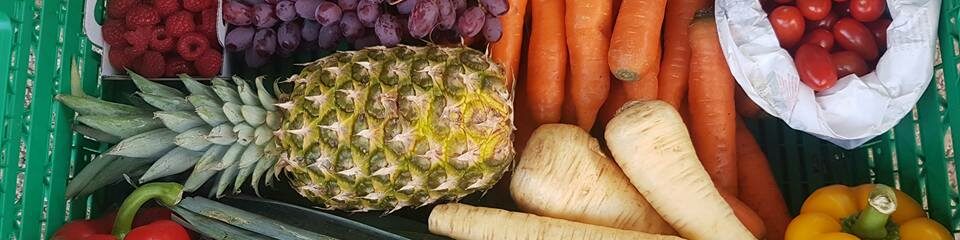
x: 872, y: 222
x: 168, y: 194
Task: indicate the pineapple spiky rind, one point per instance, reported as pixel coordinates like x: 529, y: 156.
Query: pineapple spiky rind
x: 379, y: 129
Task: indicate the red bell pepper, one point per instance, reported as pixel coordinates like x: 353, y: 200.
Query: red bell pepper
x: 151, y: 224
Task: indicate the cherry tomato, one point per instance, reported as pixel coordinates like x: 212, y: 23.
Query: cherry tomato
x: 814, y: 10
x: 815, y: 68
x: 825, y: 23
x: 820, y: 37
x: 840, y: 1
x: 848, y: 62
x: 852, y: 35
x: 879, y: 30
x: 783, y: 1
x: 867, y: 10
x: 788, y: 24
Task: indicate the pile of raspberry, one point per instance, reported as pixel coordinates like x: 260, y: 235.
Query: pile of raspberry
x: 163, y: 38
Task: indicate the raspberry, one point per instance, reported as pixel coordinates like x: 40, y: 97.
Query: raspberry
x: 139, y: 37
x: 135, y: 51
x: 118, y: 8
x: 161, y: 42
x: 208, y: 65
x: 113, y: 31
x: 208, y: 25
x: 166, y: 7
x: 151, y: 65
x: 176, y: 65
x: 179, y: 23
x: 192, y: 45
x: 196, y: 5
x: 119, y: 58
x: 142, y: 15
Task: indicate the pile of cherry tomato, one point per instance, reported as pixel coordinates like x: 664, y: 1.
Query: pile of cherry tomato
x: 830, y: 39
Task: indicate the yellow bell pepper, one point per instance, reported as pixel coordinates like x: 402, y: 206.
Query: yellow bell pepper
x: 868, y: 211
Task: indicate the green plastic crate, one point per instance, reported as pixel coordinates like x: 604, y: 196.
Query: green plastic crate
x: 913, y: 156
x: 917, y: 155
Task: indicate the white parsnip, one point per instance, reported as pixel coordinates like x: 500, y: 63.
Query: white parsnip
x: 466, y: 222
x: 651, y: 144
x: 562, y: 173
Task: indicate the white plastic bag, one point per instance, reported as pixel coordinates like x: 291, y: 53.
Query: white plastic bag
x: 856, y: 109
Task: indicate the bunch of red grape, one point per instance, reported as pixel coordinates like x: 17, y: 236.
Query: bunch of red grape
x: 263, y: 29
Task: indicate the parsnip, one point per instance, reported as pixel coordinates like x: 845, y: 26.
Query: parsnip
x: 651, y: 144
x: 563, y: 174
x: 466, y: 222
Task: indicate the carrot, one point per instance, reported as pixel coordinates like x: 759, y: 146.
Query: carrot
x: 618, y: 97
x: 523, y: 120
x: 758, y: 188
x: 546, y: 61
x: 642, y: 90
x: 747, y: 216
x: 635, y: 43
x: 460, y: 221
x: 589, y: 24
x: 585, y: 185
x: 650, y: 143
x: 675, y: 66
x: 712, y: 114
x: 506, y: 51
x: 569, y: 113
x: 745, y: 106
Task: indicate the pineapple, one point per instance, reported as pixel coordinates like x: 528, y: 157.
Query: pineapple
x: 374, y: 129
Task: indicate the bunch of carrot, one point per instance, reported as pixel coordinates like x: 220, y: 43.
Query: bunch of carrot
x: 583, y: 60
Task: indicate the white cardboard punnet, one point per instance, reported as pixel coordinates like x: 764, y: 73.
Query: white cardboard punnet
x: 92, y: 29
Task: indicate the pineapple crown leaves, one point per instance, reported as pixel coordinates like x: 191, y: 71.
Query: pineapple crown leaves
x: 222, y: 131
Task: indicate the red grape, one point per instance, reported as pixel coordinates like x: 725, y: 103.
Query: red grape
x: 263, y: 16
x: 265, y: 42
x: 471, y: 22
x: 448, y: 14
x: 288, y: 36
x: 239, y: 39
x: 495, y: 7
x: 406, y: 6
x: 492, y: 29
x: 368, y: 11
x: 309, y: 30
x: 307, y: 8
x: 350, y: 25
x: 328, y: 36
x: 388, y: 30
x: 347, y: 4
x: 237, y: 14
x: 328, y: 13
x: 423, y: 18
x: 460, y: 6
x: 285, y: 11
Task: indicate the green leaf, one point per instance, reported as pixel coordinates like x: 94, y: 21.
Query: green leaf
x: 249, y: 221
